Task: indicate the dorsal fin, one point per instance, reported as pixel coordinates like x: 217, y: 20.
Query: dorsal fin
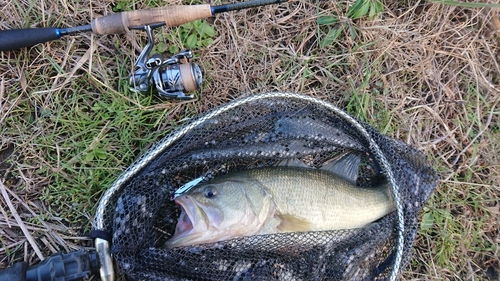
x: 292, y: 162
x: 346, y: 166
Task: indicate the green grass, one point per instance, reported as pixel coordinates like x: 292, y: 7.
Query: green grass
x: 86, y: 139
x: 458, y: 225
x: 466, y: 4
x: 422, y: 76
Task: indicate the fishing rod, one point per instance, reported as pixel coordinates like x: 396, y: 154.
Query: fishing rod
x: 167, y: 78
x: 122, y: 22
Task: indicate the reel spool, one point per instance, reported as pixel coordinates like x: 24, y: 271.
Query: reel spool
x: 168, y: 78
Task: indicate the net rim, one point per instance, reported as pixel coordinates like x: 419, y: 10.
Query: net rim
x: 165, y: 143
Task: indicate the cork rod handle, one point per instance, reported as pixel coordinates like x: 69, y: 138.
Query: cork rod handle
x: 170, y: 15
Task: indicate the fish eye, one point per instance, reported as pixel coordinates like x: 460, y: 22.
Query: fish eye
x: 210, y: 192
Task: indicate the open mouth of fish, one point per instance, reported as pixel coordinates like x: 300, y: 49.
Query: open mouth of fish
x: 184, y: 223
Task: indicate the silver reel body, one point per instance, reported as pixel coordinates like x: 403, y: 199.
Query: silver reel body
x: 168, y: 78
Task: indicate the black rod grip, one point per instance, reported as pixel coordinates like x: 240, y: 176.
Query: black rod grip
x: 17, y: 272
x: 19, y: 38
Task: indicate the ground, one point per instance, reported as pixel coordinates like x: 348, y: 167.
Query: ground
x: 421, y: 72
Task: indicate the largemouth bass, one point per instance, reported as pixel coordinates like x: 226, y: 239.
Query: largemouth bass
x: 275, y: 199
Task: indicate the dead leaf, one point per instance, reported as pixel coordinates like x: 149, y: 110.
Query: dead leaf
x: 2, y: 89
x: 496, y: 21
x: 495, y: 209
x: 22, y: 80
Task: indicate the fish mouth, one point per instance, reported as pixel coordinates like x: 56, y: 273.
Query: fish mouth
x: 184, y: 223
x: 192, y: 224
x: 184, y: 229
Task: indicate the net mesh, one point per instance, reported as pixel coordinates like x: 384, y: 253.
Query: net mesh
x: 261, y: 131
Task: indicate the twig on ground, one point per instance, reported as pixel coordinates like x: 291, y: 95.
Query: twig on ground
x: 20, y: 222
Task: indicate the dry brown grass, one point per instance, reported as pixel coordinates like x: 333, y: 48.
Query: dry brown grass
x: 427, y: 74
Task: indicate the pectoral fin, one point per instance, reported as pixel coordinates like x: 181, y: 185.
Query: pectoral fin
x: 291, y: 223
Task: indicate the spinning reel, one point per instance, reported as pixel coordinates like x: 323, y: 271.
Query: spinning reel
x: 168, y: 78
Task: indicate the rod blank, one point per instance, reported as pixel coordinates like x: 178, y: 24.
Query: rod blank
x: 122, y: 22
